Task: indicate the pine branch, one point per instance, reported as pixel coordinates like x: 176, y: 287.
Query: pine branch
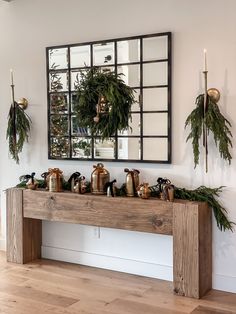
x: 209, y: 195
x: 17, y: 130
x: 214, y: 122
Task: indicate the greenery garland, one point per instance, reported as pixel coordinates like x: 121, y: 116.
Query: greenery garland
x: 212, y: 120
x: 201, y: 194
x: 209, y: 195
x: 119, y: 97
x: 17, y: 130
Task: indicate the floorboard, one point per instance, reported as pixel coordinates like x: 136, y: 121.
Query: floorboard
x: 52, y: 287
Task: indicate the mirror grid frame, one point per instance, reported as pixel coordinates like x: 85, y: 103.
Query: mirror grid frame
x: 68, y: 137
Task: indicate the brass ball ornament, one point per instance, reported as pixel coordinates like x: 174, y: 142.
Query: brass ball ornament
x: 23, y: 103
x: 214, y: 94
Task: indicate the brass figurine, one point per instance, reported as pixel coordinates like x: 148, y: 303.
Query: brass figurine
x: 132, y: 181
x: 143, y: 191
x: 99, y: 177
x: 55, y: 180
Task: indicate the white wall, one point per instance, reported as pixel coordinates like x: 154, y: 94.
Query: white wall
x: 27, y: 27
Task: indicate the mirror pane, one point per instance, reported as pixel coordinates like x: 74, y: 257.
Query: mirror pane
x: 128, y: 51
x: 81, y: 147
x: 155, y: 124
x: 103, y: 54
x: 75, y: 78
x: 155, y: 149
x: 58, y: 81
x: 129, y: 148
x: 155, y: 48
x: 108, y: 69
x: 155, y: 74
x: 78, y: 130
x: 80, y: 56
x: 59, y: 103
x: 136, y: 104
x: 59, y: 147
x: 104, y: 149
x: 155, y: 99
x: 58, y: 58
x: 59, y: 125
x: 134, y: 124
x: 131, y: 74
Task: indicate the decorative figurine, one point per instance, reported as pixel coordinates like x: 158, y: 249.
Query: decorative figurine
x: 30, y: 181
x: 80, y: 185
x: 99, y: 177
x: 166, y: 189
x: 143, y: 191
x: 55, y: 178
x: 72, y: 180
x: 44, y: 175
x: 132, y: 181
x: 110, y: 188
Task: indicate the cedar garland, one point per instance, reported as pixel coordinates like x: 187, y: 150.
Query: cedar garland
x: 92, y: 84
x: 17, y: 130
x: 212, y: 120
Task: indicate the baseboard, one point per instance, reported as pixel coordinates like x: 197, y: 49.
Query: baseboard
x: 164, y: 272
x: 2, y: 244
x: 135, y: 267
x: 225, y: 283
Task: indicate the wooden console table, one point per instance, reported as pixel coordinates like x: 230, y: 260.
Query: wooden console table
x: 188, y: 222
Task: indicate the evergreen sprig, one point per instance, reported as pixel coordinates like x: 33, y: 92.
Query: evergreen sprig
x: 212, y: 121
x: 209, y: 195
x: 92, y: 84
x: 17, y: 130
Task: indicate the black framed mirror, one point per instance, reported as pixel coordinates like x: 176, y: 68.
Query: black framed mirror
x: 145, y: 62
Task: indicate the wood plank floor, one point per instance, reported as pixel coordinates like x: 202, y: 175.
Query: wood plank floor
x: 49, y: 287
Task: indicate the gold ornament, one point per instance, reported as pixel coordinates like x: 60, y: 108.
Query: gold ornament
x: 23, y: 103
x: 214, y: 94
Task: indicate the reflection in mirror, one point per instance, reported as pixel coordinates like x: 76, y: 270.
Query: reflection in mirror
x: 136, y: 104
x: 128, y: 51
x: 80, y: 56
x: 145, y: 63
x: 155, y: 74
x: 155, y: 48
x: 78, y: 130
x: 104, y: 149
x: 59, y: 125
x: 59, y: 147
x: 155, y: 149
x: 81, y: 147
x: 58, y: 58
x: 134, y: 128
x: 155, y: 124
x: 58, y: 81
x: 75, y: 78
x: 103, y: 54
x: 59, y: 103
x: 129, y: 148
x: 131, y: 75
x: 155, y: 99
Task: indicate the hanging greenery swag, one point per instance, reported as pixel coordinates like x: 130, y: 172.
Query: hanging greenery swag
x: 213, y: 121
x: 17, y: 130
x: 91, y: 85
